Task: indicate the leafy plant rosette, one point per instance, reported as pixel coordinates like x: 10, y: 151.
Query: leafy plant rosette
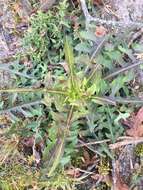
x: 68, y: 100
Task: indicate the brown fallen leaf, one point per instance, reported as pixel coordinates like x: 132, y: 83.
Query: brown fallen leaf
x: 73, y: 172
x: 75, y: 2
x: 86, y: 156
x: 100, y: 31
x: 136, y: 129
x: 88, y: 159
x: 98, y: 2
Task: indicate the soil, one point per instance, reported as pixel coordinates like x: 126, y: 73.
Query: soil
x: 10, y: 37
x: 128, y: 10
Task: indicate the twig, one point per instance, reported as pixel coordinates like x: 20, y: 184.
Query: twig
x: 85, y: 171
x: 86, y: 175
x: 103, y: 141
x: 126, y: 142
x: 124, y: 137
x: 89, y: 19
x: 90, y: 148
x: 86, y: 13
x: 93, y: 143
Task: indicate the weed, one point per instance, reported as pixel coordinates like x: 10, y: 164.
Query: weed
x: 66, y: 102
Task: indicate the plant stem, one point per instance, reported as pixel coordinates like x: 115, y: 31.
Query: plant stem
x: 25, y: 90
x: 115, y: 100
x: 69, y: 117
x: 100, y: 45
x: 127, y: 101
x: 97, y: 67
x: 60, y: 146
x: 105, y: 99
x: 126, y: 142
x: 123, y: 70
x: 93, y: 143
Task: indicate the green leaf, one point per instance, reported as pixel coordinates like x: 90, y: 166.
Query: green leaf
x: 115, y: 55
x: 65, y: 160
x: 70, y: 61
x: 105, y: 61
x: 138, y: 48
x: 91, y: 90
x: 88, y: 35
x: 119, y: 82
x: 33, y: 125
x: 57, y: 156
x: 96, y: 79
x: 103, y: 100
x: 1, y: 104
x: 83, y: 47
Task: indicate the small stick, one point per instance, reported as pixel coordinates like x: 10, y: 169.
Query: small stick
x: 102, y: 141
x: 90, y: 148
x: 126, y: 142
x: 93, y: 143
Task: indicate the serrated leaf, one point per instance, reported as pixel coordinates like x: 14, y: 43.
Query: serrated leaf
x: 65, y: 160
x: 91, y: 90
x: 83, y: 47
x: 88, y: 35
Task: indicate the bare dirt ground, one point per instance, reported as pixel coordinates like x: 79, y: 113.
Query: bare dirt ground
x: 128, y: 9
x: 12, y: 25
